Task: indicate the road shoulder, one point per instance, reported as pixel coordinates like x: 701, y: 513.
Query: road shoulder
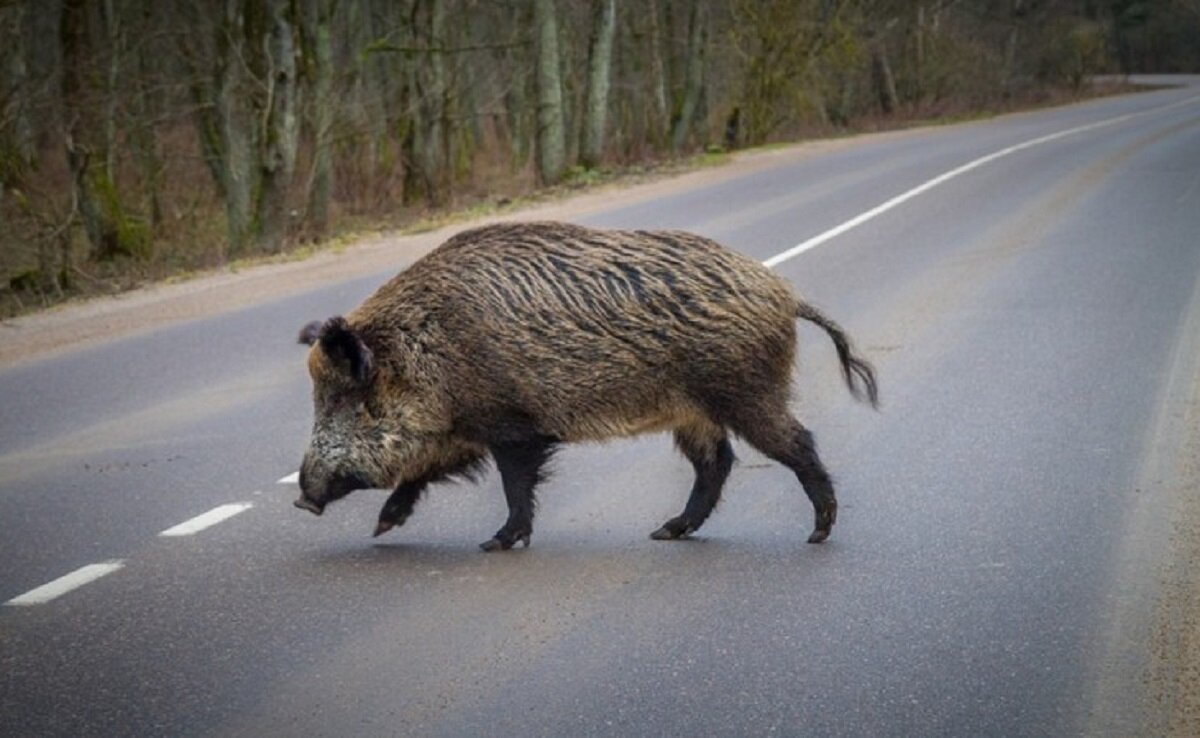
x: 1148, y: 674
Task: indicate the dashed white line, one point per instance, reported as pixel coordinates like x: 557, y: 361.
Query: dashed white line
x: 293, y: 478
x: 210, y: 518
x: 903, y: 197
x: 66, y: 583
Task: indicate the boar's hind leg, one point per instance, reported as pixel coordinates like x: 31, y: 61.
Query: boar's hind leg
x: 520, y: 466
x: 707, y: 447
x: 780, y: 436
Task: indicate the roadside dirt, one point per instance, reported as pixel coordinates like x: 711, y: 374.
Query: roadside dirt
x: 1173, y: 673
x: 1174, y: 676
x: 77, y: 325
x: 1149, y: 678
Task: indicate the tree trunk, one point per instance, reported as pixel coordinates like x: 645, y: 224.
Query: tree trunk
x: 318, y: 18
x: 1010, y: 46
x: 16, y: 100
x: 424, y: 140
x: 551, y: 140
x: 369, y: 105
x: 882, y: 78
x: 409, y: 122
x: 658, y: 76
x: 99, y: 205
x: 236, y: 141
x: 693, y: 86
x: 521, y: 115
x: 113, y: 33
x: 146, y: 106
x: 919, y: 62
x: 282, y: 129
x: 599, y: 66
x: 432, y: 151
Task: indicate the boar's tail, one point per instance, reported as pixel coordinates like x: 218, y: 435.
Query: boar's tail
x: 860, y: 376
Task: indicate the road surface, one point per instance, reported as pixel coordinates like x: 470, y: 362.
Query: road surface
x: 1010, y: 558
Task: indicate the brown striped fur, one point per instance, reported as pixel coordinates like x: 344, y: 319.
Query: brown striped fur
x: 509, y: 339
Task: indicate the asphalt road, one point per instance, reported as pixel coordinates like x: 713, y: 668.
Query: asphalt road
x: 1034, y: 322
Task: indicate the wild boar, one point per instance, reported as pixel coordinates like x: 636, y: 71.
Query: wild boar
x: 509, y: 340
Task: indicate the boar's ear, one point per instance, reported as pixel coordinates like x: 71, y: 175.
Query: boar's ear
x: 310, y: 333
x: 347, y: 350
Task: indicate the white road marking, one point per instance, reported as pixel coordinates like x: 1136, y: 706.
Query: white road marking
x: 66, y: 583
x: 210, y: 518
x: 293, y: 478
x: 903, y: 197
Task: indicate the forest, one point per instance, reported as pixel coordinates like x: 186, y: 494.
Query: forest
x: 142, y: 139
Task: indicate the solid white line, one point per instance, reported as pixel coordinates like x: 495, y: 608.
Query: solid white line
x: 292, y: 478
x: 208, y: 519
x: 903, y: 197
x: 66, y: 583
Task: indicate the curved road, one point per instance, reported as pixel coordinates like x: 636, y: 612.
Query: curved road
x: 1010, y: 520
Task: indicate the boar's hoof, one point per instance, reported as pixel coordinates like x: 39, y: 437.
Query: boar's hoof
x: 504, y: 541
x: 826, y: 515
x: 306, y: 504
x: 673, y: 529
x: 818, y: 535
x: 389, y: 517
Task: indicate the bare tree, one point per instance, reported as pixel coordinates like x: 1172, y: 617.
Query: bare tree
x: 658, y: 77
x: 693, y: 84
x: 226, y: 117
x: 318, y: 35
x: 428, y: 144
x: 87, y: 139
x: 248, y: 116
x: 877, y: 32
x: 281, y: 126
x: 599, y: 66
x: 17, y: 146
x: 780, y: 43
x: 551, y: 140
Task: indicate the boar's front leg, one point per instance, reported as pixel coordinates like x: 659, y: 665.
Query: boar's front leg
x: 399, y: 505
x: 520, y: 464
x: 468, y: 464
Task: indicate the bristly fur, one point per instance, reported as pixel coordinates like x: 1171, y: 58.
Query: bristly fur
x: 510, y: 339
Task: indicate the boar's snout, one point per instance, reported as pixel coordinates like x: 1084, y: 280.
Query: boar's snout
x: 308, y: 500
x: 319, y: 489
x: 306, y: 504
